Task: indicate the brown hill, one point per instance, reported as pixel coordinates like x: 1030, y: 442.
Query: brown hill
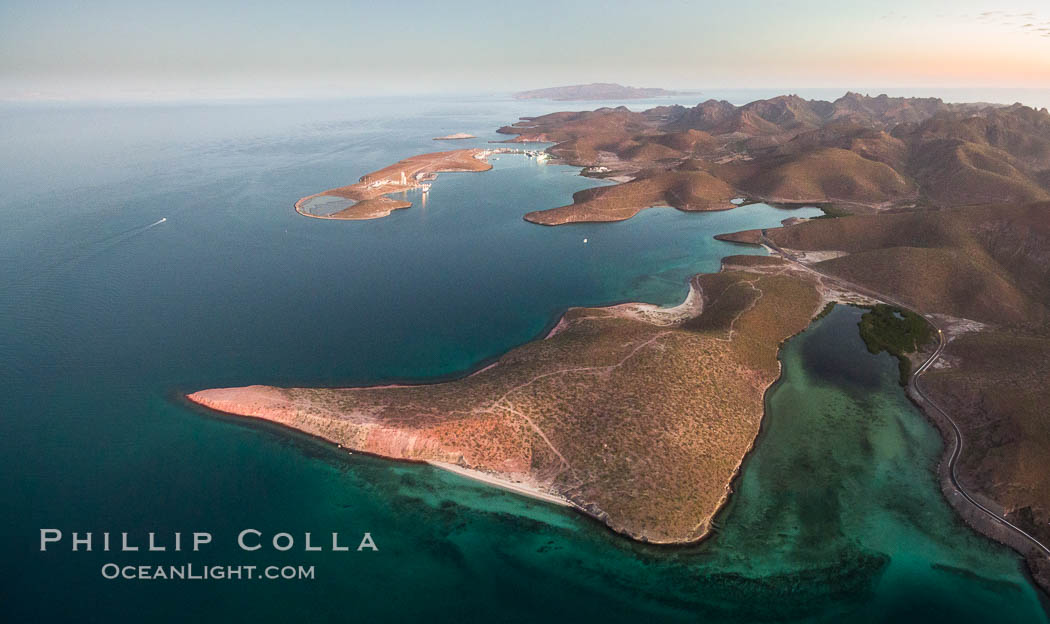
x: 881, y: 147
x: 954, y: 172
x: 780, y: 114
x: 684, y: 190
x: 951, y: 279
x: 688, y: 141
x: 648, y: 152
x: 883, y: 110
x: 714, y: 116
x: 783, y: 114
x: 829, y: 174
x: 984, y: 263
x: 1020, y: 131
x: 868, y: 142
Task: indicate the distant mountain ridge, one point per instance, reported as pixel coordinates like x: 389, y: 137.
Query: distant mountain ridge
x: 592, y: 91
x: 860, y: 151
x: 789, y: 112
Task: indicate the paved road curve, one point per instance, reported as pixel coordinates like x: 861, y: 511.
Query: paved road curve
x: 913, y: 383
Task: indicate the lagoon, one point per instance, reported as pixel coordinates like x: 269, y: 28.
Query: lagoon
x: 110, y: 317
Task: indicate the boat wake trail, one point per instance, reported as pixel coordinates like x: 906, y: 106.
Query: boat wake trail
x: 94, y: 249
x: 82, y: 252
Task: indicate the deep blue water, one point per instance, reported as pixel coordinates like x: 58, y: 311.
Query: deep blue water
x: 109, y: 319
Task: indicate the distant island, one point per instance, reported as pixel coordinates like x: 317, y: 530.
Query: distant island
x: 593, y: 91
x: 455, y: 137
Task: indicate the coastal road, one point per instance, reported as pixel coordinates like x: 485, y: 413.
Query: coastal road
x: 913, y: 383
x: 957, y: 450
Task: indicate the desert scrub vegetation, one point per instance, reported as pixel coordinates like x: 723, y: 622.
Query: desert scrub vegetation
x: 826, y: 311
x: 831, y: 211
x: 641, y: 425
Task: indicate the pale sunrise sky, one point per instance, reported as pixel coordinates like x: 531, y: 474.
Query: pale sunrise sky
x: 54, y: 49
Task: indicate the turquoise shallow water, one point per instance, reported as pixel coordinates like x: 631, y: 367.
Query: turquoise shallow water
x: 108, y: 319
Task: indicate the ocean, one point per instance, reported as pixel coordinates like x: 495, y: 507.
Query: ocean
x: 151, y: 250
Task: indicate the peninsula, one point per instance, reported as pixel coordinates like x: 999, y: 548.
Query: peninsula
x: 367, y: 198
x: 637, y: 415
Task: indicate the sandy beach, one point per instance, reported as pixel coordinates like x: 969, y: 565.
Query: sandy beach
x: 518, y: 487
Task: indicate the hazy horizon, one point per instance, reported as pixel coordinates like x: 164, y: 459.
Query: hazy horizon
x: 119, y: 50
x: 1035, y: 98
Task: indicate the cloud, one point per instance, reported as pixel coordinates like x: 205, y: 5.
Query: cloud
x: 1027, y: 22
x: 893, y: 15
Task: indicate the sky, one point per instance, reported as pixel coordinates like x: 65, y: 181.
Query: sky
x: 147, y: 49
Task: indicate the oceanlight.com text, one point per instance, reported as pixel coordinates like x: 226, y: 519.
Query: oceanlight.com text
x: 195, y: 572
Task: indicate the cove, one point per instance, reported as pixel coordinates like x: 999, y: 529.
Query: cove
x: 107, y: 322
